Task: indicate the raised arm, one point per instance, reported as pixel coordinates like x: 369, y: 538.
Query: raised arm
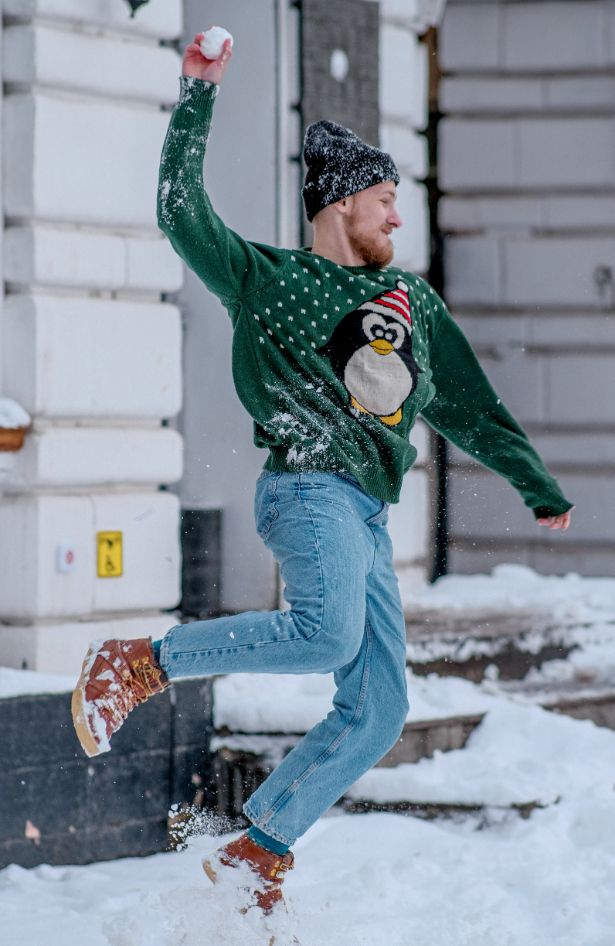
x: 230, y: 266
x: 468, y: 412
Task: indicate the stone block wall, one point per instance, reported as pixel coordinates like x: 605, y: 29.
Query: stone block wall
x: 68, y: 809
x: 88, y: 345
x: 526, y: 147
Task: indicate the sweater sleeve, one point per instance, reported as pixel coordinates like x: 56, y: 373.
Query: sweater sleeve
x: 230, y: 266
x: 467, y: 411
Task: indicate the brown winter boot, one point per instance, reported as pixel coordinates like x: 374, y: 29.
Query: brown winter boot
x: 266, y: 869
x: 116, y: 676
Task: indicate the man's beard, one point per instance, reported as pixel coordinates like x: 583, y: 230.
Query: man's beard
x: 374, y: 255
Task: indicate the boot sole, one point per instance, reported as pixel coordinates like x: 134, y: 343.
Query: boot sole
x: 77, y: 706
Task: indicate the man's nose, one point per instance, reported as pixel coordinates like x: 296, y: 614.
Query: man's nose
x: 395, y: 220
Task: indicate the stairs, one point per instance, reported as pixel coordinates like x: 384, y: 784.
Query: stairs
x: 462, y: 662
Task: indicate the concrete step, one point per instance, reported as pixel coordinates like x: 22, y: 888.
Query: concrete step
x: 465, y: 643
x: 481, y: 815
x: 241, y: 761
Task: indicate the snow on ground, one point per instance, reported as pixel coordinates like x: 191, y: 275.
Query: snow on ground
x: 361, y: 880
x: 384, y: 878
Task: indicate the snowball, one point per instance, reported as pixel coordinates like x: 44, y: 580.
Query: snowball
x: 213, y: 41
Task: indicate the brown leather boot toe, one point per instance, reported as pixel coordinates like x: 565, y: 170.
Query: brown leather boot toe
x: 116, y: 676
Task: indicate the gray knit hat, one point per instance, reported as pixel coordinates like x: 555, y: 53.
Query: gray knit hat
x: 339, y: 164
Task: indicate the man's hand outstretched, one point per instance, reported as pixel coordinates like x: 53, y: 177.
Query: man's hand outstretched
x: 210, y: 70
x: 557, y: 522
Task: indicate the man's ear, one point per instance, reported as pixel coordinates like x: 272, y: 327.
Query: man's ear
x: 342, y: 205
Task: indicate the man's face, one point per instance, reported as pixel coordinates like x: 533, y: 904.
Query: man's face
x: 370, y: 219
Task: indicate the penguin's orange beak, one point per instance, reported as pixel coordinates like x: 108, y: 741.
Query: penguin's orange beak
x: 382, y: 346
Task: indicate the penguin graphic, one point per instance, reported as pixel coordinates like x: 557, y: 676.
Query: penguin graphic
x: 371, y: 352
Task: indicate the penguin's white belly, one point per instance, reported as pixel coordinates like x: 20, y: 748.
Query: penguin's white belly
x: 380, y: 383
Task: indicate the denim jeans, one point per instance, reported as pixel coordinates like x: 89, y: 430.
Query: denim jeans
x: 345, y: 617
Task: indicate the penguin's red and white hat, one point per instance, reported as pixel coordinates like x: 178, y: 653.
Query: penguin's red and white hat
x: 394, y: 302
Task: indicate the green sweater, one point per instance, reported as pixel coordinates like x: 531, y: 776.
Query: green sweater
x: 335, y: 363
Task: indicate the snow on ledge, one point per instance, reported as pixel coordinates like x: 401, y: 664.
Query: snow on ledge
x: 28, y: 683
x: 12, y: 415
x: 512, y: 587
x: 518, y: 754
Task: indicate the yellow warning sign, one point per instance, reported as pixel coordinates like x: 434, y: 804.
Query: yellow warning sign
x: 109, y: 557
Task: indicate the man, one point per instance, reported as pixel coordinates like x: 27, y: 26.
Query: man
x: 335, y: 353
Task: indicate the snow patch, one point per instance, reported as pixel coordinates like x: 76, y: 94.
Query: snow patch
x: 12, y: 415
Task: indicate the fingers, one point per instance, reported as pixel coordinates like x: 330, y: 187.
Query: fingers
x: 227, y: 52
x: 556, y: 522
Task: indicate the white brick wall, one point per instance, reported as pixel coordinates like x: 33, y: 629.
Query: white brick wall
x: 403, y: 107
x: 59, y: 646
x: 87, y: 161
x: 46, y: 256
x: 77, y: 357
x: 156, y: 20
x: 68, y: 457
x: 404, y: 116
x: 532, y: 37
x: 32, y: 527
x: 526, y: 150
x: 88, y: 344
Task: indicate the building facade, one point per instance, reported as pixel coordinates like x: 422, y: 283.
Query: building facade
x: 139, y: 444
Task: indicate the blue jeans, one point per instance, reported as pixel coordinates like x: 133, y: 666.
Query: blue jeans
x: 345, y: 617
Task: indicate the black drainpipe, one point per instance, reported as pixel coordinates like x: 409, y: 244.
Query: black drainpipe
x: 435, y: 277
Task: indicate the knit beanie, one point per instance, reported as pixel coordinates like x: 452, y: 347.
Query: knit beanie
x: 339, y: 164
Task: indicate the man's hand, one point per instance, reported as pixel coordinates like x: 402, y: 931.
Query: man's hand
x: 210, y: 70
x: 557, y: 522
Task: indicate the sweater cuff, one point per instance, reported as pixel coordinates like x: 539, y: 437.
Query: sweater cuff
x: 195, y: 90
x: 545, y: 512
